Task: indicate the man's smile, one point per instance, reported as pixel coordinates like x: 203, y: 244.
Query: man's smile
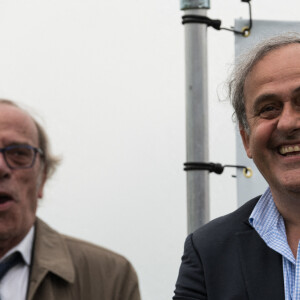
x: 289, y: 149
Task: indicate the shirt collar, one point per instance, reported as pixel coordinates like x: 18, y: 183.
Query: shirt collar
x: 24, y: 247
x: 269, y: 224
x: 265, y: 215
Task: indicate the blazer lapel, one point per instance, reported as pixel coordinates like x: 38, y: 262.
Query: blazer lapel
x: 50, y: 254
x: 261, y: 266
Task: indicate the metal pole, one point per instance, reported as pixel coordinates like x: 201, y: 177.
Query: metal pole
x: 196, y: 114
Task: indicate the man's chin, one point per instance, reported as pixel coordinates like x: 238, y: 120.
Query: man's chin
x: 5, y: 233
x: 287, y: 182
x: 290, y: 188
x: 294, y: 189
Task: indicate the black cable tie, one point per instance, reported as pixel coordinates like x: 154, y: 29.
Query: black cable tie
x: 201, y: 20
x: 196, y: 166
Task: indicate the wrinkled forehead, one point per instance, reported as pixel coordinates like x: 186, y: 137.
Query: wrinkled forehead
x: 279, y: 57
x: 16, y: 123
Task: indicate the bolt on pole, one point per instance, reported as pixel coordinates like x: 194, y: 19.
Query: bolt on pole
x: 196, y: 113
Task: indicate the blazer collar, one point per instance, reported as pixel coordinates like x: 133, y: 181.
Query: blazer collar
x: 261, y: 266
x: 50, y: 255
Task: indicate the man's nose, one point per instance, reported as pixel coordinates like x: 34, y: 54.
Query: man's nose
x: 4, y: 169
x: 289, y: 119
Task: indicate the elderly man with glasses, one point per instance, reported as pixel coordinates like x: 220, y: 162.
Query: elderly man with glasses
x: 37, y: 262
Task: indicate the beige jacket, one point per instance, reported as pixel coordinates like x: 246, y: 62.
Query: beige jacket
x: 65, y: 268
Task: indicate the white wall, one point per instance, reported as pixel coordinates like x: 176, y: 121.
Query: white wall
x: 106, y: 78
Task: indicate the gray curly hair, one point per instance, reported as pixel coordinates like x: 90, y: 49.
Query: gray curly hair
x: 244, y: 66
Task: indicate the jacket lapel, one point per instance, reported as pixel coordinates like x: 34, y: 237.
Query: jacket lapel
x: 261, y: 266
x: 50, y: 254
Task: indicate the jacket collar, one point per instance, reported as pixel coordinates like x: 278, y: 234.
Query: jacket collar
x: 50, y: 255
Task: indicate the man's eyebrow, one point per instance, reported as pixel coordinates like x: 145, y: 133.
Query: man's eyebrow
x: 297, y: 90
x: 263, y: 98
x: 269, y: 96
x: 18, y: 144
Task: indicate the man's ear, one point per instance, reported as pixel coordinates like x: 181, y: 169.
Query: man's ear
x: 42, y: 183
x: 246, y: 140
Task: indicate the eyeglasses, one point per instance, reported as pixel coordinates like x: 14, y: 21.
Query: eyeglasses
x: 20, y: 156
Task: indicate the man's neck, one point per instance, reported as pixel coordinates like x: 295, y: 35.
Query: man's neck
x: 288, y: 205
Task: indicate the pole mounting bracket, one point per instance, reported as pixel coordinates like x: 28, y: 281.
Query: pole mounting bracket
x: 216, y: 23
x: 215, y: 168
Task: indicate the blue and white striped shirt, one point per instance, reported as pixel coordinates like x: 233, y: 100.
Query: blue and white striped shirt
x: 269, y: 224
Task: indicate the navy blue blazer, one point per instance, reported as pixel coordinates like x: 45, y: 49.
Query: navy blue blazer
x: 227, y: 260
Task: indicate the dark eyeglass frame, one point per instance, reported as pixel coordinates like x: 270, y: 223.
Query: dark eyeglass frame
x: 35, y: 151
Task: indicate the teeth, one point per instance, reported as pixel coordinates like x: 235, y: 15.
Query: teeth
x: 288, y: 149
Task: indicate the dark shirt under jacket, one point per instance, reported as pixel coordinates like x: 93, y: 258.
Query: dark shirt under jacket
x: 226, y: 259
